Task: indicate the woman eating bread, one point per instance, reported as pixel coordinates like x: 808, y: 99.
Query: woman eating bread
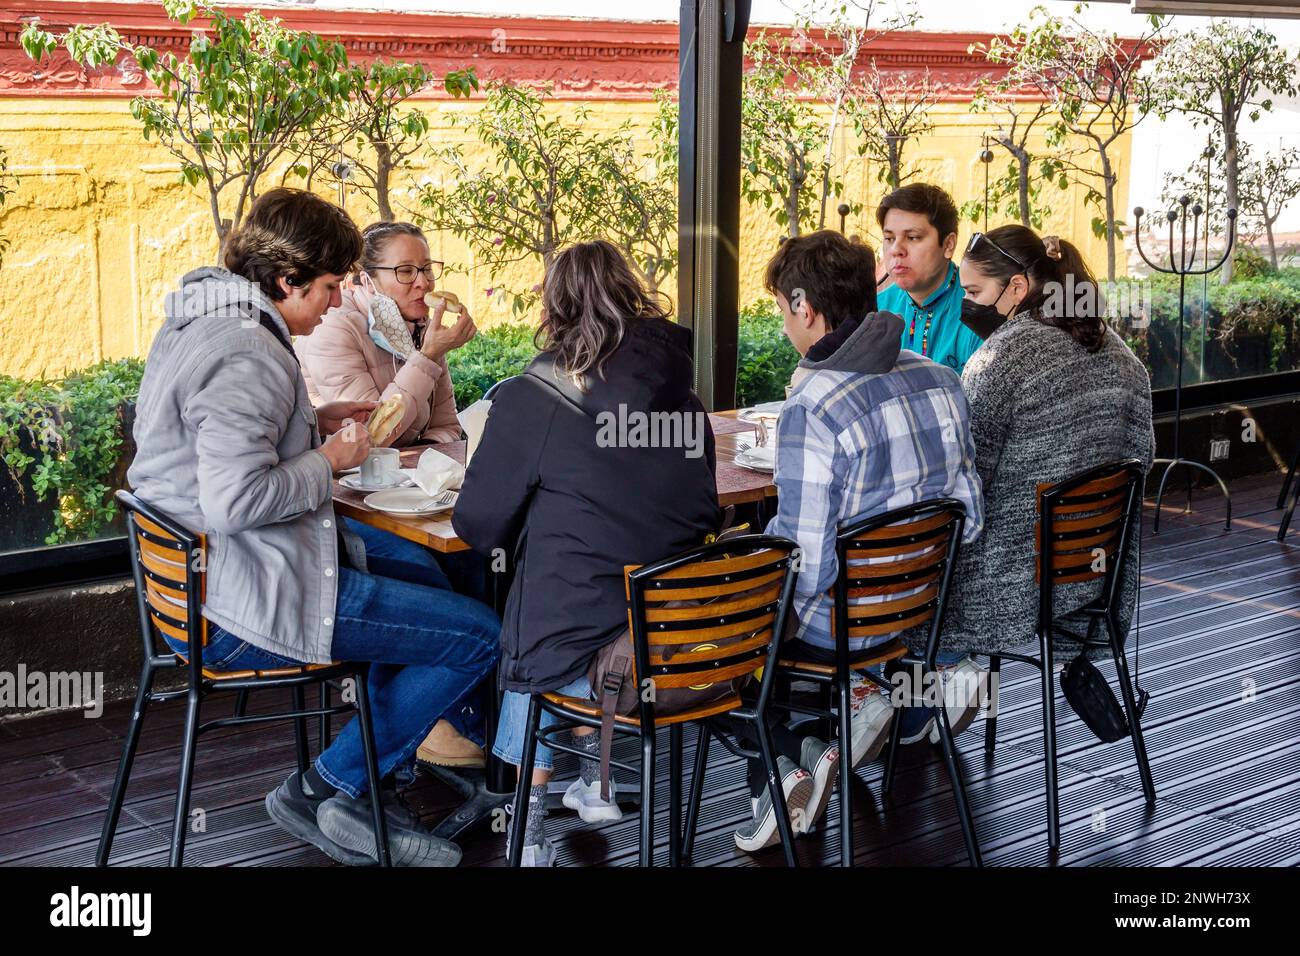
x: 386, y: 343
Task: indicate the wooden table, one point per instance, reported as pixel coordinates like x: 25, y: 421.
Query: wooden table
x: 736, y: 485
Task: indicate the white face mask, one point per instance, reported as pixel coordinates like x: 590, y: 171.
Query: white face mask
x: 387, y: 327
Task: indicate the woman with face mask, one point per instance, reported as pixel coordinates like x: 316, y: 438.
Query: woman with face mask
x: 1052, y: 391
x: 385, y: 338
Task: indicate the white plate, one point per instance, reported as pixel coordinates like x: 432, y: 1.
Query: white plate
x: 762, y: 410
x: 410, y: 501
x: 356, y: 484
x: 757, y: 459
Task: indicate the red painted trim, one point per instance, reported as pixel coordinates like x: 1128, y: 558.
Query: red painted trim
x: 582, y: 59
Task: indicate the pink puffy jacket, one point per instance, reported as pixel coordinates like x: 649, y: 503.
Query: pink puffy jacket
x: 342, y: 363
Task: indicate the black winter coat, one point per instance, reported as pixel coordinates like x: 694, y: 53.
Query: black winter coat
x: 573, y: 497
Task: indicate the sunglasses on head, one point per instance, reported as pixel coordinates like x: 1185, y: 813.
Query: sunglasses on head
x: 979, y: 237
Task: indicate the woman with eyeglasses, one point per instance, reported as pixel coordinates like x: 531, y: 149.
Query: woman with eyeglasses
x: 1052, y: 391
x: 384, y: 338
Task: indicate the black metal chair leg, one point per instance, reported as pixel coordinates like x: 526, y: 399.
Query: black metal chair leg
x: 958, y: 788
x: 519, y: 818
x: 991, y: 721
x: 1049, y: 745
x: 241, y: 702
x: 1289, y: 477
x: 378, y: 819
x: 846, y: 772
x: 776, y: 791
x: 1285, y: 523
x: 702, y: 740
x: 828, y: 704
x: 675, y: 795
x: 1134, y: 718
x: 647, y: 843
x: 189, y: 745
x: 891, y: 755
x: 123, y: 777
x: 324, y: 742
x: 300, y: 729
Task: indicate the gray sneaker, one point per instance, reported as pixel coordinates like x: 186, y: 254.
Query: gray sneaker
x: 535, y: 854
x: 348, y: 823
x: 761, y: 831
x: 822, y: 761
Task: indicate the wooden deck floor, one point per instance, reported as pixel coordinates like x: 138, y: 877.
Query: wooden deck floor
x: 1220, y: 656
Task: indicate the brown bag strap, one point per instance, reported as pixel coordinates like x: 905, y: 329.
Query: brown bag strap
x: 608, y: 707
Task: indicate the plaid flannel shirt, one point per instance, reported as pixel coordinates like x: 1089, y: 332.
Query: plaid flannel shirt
x: 851, y: 445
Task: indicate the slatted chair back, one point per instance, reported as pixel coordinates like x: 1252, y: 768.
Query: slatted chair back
x: 168, y: 562
x: 1084, y: 525
x: 714, y: 613
x: 895, y: 568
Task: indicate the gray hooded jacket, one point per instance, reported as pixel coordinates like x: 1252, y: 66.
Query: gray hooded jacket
x: 227, y: 445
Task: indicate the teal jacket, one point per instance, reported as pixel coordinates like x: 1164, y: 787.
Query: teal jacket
x: 934, y: 328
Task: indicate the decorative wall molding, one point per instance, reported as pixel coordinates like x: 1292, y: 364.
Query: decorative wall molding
x: 582, y: 59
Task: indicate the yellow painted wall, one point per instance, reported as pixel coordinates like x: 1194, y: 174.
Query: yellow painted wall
x: 100, y: 227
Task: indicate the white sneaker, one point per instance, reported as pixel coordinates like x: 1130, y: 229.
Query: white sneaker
x: 761, y: 831
x: 962, y: 688
x: 585, y: 799
x: 869, y: 722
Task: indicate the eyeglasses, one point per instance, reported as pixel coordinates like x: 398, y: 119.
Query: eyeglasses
x: 979, y: 237
x: 406, y: 273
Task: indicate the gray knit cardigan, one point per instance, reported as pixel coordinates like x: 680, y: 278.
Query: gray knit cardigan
x: 1043, y: 408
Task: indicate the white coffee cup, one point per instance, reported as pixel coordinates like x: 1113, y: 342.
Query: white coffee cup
x: 381, y: 466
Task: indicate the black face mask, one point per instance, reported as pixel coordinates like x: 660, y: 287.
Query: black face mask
x: 981, y: 319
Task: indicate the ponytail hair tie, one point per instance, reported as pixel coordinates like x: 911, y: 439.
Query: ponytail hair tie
x: 1052, y: 245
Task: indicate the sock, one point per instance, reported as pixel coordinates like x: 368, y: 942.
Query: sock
x: 589, y: 765
x: 314, y: 786
x: 534, y: 834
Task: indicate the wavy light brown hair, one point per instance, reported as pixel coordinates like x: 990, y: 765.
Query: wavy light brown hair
x: 294, y: 234
x: 589, y: 295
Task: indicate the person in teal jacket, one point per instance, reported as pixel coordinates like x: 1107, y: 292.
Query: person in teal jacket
x: 918, y: 224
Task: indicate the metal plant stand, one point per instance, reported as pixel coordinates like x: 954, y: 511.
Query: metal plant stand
x: 1182, y: 265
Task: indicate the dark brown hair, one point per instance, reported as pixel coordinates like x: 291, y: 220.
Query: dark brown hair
x: 836, y: 276
x: 1053, y: 281
x: 926, y: 200
x: 376, y: 237
x: 295, y: 234
x: 589, y: 295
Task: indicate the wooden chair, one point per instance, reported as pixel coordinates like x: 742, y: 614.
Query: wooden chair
x: 747, y: 581
x: 169, y: 564
x: 894, y: 571
x: 1085, y: 524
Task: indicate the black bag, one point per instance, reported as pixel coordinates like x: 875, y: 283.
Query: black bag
x: 1092, y: 699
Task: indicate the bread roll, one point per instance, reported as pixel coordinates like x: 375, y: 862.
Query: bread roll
x: 452, y: 303
x: 386, y: 418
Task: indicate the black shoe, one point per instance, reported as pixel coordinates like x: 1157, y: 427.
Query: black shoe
x: 294, y: 812
x: 350, y: 824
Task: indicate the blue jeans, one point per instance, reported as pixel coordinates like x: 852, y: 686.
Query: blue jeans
x: 512, y: 725
x: 428, y: 649
x: 392, y: 557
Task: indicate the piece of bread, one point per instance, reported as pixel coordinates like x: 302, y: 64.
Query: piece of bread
x: 452, y: 303
x: 385, y: 419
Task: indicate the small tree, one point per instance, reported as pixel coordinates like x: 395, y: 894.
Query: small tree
x: 230, y: 109
x: 847, y: 27
x: 780, y: 133
x: 1094, y: 81
x: 1267, y: 186
x: 1018, y: 192
x: 1216, y: 74
x: 548, y: 183
x: 887, y: 110
x: 373, y: 133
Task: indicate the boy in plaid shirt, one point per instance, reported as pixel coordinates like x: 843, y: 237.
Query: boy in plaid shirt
x: 867, y: 428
